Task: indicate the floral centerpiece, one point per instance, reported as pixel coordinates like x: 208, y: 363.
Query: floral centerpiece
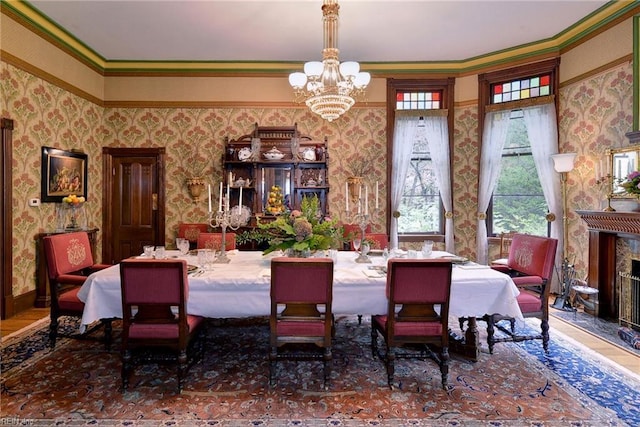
x: 632, y: 183
x: 74, y: 203
x: 299, y: 232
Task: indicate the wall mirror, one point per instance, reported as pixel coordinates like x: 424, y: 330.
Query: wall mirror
x: 622, y: 161
x: 271, y: 176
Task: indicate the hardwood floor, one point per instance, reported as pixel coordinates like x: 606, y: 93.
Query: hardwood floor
x: 617, y: 354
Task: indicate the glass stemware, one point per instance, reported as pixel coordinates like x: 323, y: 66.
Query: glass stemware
x: 356, y: 244
x: 183, y: 246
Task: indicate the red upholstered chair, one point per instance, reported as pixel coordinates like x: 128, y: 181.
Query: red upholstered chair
x: 154, y: 315
x: 418, y: 314
x: 214, y: 241
x: 301, y: 296
x: 530, y: 264
x: 379, y: 240
x: 191, y: 232
x: 69, y: 262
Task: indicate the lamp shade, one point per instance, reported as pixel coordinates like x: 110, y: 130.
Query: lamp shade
x: 563, y: 162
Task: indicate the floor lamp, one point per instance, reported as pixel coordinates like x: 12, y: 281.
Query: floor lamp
x: 563, y: 164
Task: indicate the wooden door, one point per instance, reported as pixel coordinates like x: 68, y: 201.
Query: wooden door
x: 133, y: 201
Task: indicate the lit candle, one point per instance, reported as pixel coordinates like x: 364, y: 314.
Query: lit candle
x: 209, y: 197
x: 366, y: 200
x: 377, y: 206
x: 228, y: 198
x: 220, y: 199
x: 346, y: 196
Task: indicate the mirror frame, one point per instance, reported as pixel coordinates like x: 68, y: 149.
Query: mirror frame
x: 617, y: 172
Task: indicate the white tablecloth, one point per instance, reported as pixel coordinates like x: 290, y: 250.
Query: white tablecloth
x: 241, y: 289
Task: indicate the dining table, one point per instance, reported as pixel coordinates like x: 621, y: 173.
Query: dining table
x: 240, y: 288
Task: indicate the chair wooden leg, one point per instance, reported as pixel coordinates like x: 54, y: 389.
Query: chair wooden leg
x: 327, y: 359
x: 544, y: 325
x: 126, y: 369
x: 182, y: 368
x: 53, y: 331
x: 444, y: 367
x: 108, y: 331
x: 391, y: 358
x: 374, y: 341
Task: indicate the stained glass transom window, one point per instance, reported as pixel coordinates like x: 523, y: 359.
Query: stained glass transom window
x: 514, y: 90
x: 418, y: 100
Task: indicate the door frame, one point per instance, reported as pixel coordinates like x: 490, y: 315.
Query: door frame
x: 108, y: 155
x: 6, y: 218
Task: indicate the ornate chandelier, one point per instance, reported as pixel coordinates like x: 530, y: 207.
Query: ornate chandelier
x: 329, y: 88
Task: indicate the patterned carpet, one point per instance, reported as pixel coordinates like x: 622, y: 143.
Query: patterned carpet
x: 78, y: 384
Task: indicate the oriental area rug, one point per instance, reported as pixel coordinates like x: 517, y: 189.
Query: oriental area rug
x: 78, y: 383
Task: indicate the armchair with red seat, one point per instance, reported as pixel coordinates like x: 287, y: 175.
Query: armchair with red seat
x: 69, y: 262
x: 214, y: 241
x: 530, y: 265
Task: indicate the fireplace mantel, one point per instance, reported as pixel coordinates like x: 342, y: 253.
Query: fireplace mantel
x: 613, y: 222
x: 604, y: 228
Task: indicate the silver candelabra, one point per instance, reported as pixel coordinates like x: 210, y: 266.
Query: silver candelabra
x: 361, y: 216
x: 233, y: 218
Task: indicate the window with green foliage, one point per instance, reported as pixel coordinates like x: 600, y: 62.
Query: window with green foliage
x: 420, y: 204
x: 518, y: 202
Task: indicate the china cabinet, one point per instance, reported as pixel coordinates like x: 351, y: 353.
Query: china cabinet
x: 272, y: 169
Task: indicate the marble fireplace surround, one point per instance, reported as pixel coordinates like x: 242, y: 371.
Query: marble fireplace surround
x: 604, y: 229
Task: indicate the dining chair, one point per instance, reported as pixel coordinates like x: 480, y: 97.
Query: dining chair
x: 214, y: 241
x: 530, y: 264
x: 191, y: 231
x: 417, y: 321
x: 505, y: 244
x: 301, y: 298
x: 155, y: 323
x: 69, y: 262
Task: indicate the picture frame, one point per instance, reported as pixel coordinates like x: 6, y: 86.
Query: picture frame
x: 63, y: 173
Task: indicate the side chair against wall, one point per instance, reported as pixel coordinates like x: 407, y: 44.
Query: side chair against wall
x: 301, y: 297
x: 505, y: 245
x: 69, y: 262
x: 155, y: 323
x: 191, y: 231
x: 379, y: 240
x: 417, y: 319
x: 214, y: 241
x: 530, y: 264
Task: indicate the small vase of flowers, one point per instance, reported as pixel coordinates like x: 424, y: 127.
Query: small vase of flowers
x: 632, y: 184
x: 74, y: 204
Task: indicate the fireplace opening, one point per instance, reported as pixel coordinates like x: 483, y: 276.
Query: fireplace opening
x: 629, y: 304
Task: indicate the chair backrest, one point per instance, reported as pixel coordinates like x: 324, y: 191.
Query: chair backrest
x: 214, y: 241
x: 533, y: 255
x: 505, y: 243
x: 152, y: 287
x: 351, y: 231
x: 421, y: 281
x: 301, y: 280
x: 191, y: 231
x: 380, y: 240
x: 67, y: 253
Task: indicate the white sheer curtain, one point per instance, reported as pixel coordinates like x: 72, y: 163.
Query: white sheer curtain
x: 437, y: 133
x: 543, y: 136
x: 493, y: 138
x: 404, y: 135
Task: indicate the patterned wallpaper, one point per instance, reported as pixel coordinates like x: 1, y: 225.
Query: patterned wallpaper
x: 595, y: 115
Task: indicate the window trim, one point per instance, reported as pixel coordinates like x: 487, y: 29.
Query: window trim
x: 486, y: 80
x: 444, y: 85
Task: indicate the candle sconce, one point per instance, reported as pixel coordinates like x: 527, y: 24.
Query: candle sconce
x: 196, y: 187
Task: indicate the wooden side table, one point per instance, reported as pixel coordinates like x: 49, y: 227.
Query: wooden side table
x: 43, y: 299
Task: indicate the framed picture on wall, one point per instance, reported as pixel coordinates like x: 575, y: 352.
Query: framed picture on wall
x: 63, y: 173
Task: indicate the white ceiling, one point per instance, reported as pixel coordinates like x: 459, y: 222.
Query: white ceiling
x: 291, y: 30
